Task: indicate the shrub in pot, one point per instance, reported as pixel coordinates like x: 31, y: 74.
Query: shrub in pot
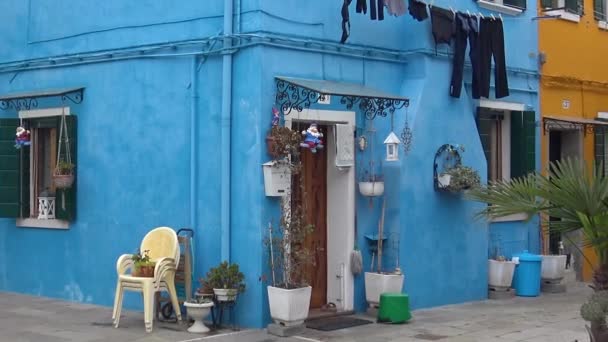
x: 226, y: 280
x: 459, y: 178
x: 142, y: 265
x: 282, y: 141
x: 594, y: 311
x: 199, y: 307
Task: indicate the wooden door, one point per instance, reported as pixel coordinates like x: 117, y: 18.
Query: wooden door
x: 314, y: 196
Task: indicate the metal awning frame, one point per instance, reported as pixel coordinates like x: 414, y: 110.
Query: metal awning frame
x: 29, y: 100
x: 291, y: 96
x: 588, y: 126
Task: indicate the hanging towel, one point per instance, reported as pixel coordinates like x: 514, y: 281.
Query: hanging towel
x: 345, y: 146
x: 395, y: 7
x: 345, y: 21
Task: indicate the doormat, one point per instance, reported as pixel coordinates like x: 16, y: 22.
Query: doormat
x: 336, y: 323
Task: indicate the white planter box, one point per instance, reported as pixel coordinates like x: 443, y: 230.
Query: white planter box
x: 443, y: 181
x: 277, y: 178
x: 289, y: 307
x: 371, y: 189
x: 225, y: 295
x: 553, y: 267
x: 500, y: 273
x: 377, y: 284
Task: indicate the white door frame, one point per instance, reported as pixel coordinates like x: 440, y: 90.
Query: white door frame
x: 341, y: 194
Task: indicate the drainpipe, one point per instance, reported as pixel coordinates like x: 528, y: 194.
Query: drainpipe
x: 225, y: 126
x: 193, y: 145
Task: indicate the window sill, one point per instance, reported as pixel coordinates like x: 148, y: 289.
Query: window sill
x: 510, y: 218
x: 499, y: 8
x: 603, y: 25
x: 564, y: 15
x: 36, y: 223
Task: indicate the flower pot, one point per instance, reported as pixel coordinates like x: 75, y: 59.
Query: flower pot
x: 198, y: 312
x: 371, y: 189
x: 145, y: 271
x: 443, y: 181
x: 225, y: 295
x: 289, y: 307
x: 377, y: 284
x: 500, y: 273
x: 553, y: 267
x: 63, y: 181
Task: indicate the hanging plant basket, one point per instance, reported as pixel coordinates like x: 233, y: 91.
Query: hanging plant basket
x: 63, y: 177
x: 63, y: 181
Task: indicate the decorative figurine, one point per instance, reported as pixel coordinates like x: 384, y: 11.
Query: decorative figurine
x: 312, y: 138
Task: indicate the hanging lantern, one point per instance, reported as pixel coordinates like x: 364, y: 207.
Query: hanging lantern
x: 392, y: 147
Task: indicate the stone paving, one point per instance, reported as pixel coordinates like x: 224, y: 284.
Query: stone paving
x: 550, y: 317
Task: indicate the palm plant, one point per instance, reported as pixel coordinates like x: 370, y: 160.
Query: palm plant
x: 571, y: 193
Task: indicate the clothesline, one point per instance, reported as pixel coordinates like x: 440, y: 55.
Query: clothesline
x: 478, y: 14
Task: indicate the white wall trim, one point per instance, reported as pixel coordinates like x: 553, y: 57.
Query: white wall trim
x: 499, y: 7
x: 510, y: 218
x: 603, y: 25
x: 502, y: 105
x: 50, y: 224
x: 42, y: 113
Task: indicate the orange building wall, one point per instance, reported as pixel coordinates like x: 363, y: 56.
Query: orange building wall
x: 576, y: 70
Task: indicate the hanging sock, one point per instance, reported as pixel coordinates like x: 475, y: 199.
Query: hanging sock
x: 345, y: 21
x: 395, y: 7
x: 417, y: 10
x: 362, y: 6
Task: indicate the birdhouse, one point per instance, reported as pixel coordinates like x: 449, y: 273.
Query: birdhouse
x: 392, y: 147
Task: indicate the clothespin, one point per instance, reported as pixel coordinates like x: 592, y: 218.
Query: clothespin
x: 469, y: 13
x: 500, y: 16
x: 453, y: 12
x: 492, y: 15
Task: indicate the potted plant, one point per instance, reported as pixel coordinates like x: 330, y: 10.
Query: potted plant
x: 380, y: 281
x: 594, y: 311
x: 289, y: 292
x: 282, y: 141
x: 458, y: 178
x: 500, y: 272
x: 227, y: 281
x: 371, y: 184
x: 200, y: 306
x: 142, y: 265
x: 63, y: 177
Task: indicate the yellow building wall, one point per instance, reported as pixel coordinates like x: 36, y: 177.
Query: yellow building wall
x: 574, y: 80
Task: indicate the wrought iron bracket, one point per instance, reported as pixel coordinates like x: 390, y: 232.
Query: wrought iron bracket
x: 27, y: 101
x: 291, y: 96
x: 553, y: 124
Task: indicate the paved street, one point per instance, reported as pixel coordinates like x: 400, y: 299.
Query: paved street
x: 552, y: 318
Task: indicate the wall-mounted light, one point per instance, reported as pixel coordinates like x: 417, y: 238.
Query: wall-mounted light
x: 392, y: 147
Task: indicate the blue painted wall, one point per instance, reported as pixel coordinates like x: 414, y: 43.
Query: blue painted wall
x: 134, y: 143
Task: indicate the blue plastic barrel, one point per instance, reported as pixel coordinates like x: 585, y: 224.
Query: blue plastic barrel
x: 526, y: 279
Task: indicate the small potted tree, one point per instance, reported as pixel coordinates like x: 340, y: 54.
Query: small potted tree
x: 200, y: 307
x: 594, y: 311
x: 142, y: 265
x: 227, y: 281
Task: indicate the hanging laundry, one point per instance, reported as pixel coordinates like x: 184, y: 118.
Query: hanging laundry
x: 345, y: 21
x: 442, y: 22
x: 492, y: 43
x: 466, y: 28
x: 395, y: 7
x: 362, y: 6
x: 376, y: 12
x: 417, y: 10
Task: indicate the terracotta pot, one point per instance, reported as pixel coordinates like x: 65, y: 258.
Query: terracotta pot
x: 146, y: 271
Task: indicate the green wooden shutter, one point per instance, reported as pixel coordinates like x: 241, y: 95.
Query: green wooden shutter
x: 574, y: 6
x: 515, y: 3
x: 599, y: 10
x: 523, y: 143
x: 65, y: 199
x: 546, y: 3
x: 9, y: 169
x: 600, y: 148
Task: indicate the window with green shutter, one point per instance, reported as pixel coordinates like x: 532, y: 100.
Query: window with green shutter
x: 572, y: 6
x: 29, y: 170
x: 521, y: 4
x: 599, y: 10
x: 495, y: 135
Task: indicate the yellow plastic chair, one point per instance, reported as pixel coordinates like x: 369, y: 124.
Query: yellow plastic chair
x: 163, y: 248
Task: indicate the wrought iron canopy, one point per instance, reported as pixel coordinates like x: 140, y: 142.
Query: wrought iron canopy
x: 29, y: 100
x: 296, y: 93
x: 572, y: 123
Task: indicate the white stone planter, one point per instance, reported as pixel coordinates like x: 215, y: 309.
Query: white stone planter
x: 225, y: 295
x: 198, y: 312
x: 371, y: 189
x: 553, y: 267
x: 500, y: 273
x: 289, y: 307
x: 377, y: 284
x: 443, y: 181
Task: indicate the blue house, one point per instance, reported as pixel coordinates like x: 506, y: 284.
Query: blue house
x: 167, y: 108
